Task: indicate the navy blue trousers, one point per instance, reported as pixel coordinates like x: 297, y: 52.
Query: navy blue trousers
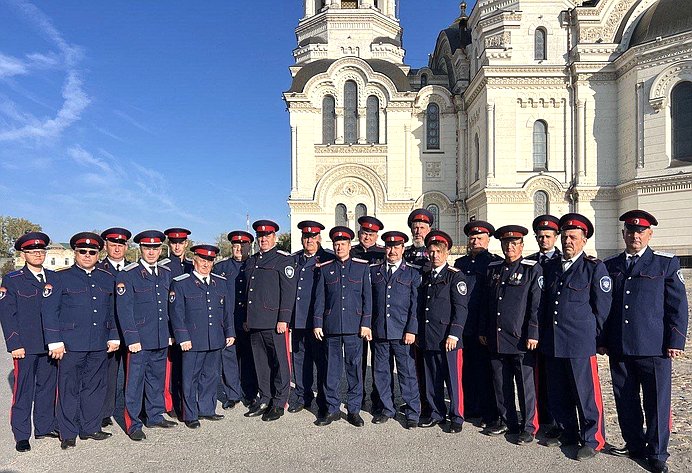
x: 81, y: 392
x: 113, y: 368
x: 651, y: 374
x: 145, y: 380
x: 574, y: 392
x: 230, y: 374
x: 308, y: 357
x: 201, y: 373
x: 35, y: 378
x: 544, y: 415
x: 519, y: 369
x: 385, y: 353
x: 246, y: 364
x: 445, y: 367
x: 272, y: 365
x: 479, y: 398
x: 343, y: 351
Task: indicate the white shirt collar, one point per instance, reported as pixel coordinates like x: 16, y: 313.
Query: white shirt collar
x: 149, y: 265
x: 436, y: 271
x: 549, y: 254
x: 395, y: 266
x: 573, y: 258
x: 42, y: 272
x: 639, y: 253
x: 201, y: 277
x: 116, y: 263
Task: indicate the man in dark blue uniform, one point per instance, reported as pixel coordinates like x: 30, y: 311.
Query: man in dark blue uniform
x: 238, y: 380
x: 307, y: 351
x: 342, y: 314
x: 509, y: 329
x: 80, y: 330
x: 35, y: 373
x: 178, y: 264
x: 201, y: 312
x: 395, y: 285
x: 576, y: 301
x: 116, y: 245
x: 142, y: 300
x: 271, y: 295
x: 645, y: 331
x: 546, y: 229
x: 478, y: 388
x: 420, y: 222
x: 443, y: 312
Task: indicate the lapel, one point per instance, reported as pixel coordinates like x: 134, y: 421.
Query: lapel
x: 644, y: 261
x: 32, y: 279
x: 567, y: 275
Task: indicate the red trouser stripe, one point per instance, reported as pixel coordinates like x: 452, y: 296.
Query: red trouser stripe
x: 128, y: 419
x: 599, y: 402
x: 15, y: 386
x: 460, y: 389
x: 536, y: 420
x: 167, y: 397
x: 287, y: 334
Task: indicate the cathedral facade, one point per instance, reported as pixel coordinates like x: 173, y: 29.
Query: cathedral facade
x: 525, y: 107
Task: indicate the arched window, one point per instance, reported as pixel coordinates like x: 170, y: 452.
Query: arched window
x: 476, y: 158
x: 350, y: 112
x: 432, y: 126
x: 541, y: 203
x: 361, y: 211
x: 373, y: 120
x: 349, y: 3
x: 340, y: 216
x: 328, y: 120
x: 540, y: 146
x: 435, y: 211
x: 539, y: 44
x: 681, y: 111
x: 423, y: 80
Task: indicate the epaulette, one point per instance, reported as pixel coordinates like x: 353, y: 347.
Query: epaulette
x: 495, y: 263
x: 130, y: 266
x: 414, y: 266
x: 528, y: 262
x: 453, y: 269
x: 16, y: 273
x: 374, y: 264
x: 377, y: 245
x: 612, y: 257
x: 165, y: 261
x: 319, y: 265
x: 163, y: 266
x: 219, y: 276
x: 296, y: 253
x: 63, y: 268
x: 105, y: 270
x: 663, y: 253
x: 181, y: 277
x: 358, y: 260
x: 282, y: 252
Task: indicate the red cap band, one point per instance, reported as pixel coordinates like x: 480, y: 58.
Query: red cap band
x: 311, y: 229
x: 639, y: 221
x: 439, y: 238
x: 395, y: 238
x: 177, y: 235
x: 203, y: 252
x: 371, y: 226
x: 145, y: 241
x: 549, y: 223
x: 265, y: 228
x: 480, y: 229
x: 341, y: 234
x: 240, y: 239
x: 576, y: 223
x: 32, y: 242
x: 85, y: 241
x: 116, y: 236
x: 421, y: 217
x: 511, y: 235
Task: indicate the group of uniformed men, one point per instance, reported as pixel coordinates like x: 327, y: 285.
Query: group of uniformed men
x: 479, y: 328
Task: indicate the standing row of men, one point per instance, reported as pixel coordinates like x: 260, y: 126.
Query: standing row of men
x: 477, y: 328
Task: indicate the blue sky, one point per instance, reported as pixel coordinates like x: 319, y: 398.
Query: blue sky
x: 155, y: 114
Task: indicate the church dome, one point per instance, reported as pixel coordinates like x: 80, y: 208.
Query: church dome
x: 664, y: 18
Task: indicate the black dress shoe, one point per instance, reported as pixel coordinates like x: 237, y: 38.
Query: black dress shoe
x: 355, y: 420
x: 524, y: 438
x: 586, y: 453
x: 327, y: 419
x: 411, y: 424
x: 296, y: 408
x: 106, y: 421
x: 193, y: 424
x: 426, y: 423
x: 137, y: 435
x: 67, y: 443
x: 98, y: 435
x: 23, y: 446
x: 273, y: 414
x: 164, y: 424
x: 658, y: 466
x: 456, y: 427
x: 626, y: 452
x: 380, y: 419
x: 53, y: 434
x: 212, y: 417
x: 229, y: 404
x: 257, y: 409
x: 498, y: 428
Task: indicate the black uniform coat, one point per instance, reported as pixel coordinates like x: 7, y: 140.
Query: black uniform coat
x: 270, y: 289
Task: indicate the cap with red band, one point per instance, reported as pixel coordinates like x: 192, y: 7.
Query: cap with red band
x: 438, y: 236
x: 265, y: 226
x: 341, y: 233
x: 474, y: 227
x: 150, y: 238
x: 573, y: 221
x: 239, y: 236
x: 207, y: 252
x: 86, y: 240
x: 638, y: 219
x: 510, y: 232
x: 32, y: 241
x: 393, y: 238
x: 546, y: 222
x: 310, y: 227
x: 177, y: 234
x: 367, y: 222
x: 421, y: 215
x: 116, y: 235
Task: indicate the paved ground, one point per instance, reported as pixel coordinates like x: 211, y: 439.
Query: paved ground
x: 294, y: 443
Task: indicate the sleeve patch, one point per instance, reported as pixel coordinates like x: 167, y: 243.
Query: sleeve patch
x: 171, y: 297
x: 3, y: 293
x: 461, y: 288
x: 680, y: 276
x: 540, y: 282
x: 289, y: 271
x: 606, y: 284
x: 47, y: 290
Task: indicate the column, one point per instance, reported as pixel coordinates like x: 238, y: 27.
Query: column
x: 640, y: 124
x: 462, y: 154
x: 339, y: 125
x: 407, y: 159
x: 294, y: 159
x: 490, y: 140
x: 362, y: 125
x: 580, y: 134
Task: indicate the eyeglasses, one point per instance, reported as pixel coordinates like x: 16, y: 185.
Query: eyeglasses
x: 88, y: 252
x: 35, y: 252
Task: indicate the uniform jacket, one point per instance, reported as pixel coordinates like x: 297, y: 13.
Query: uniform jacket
x: 234, y: 272
x: 649, y: 310
x: 199, y: 313
x: 271, y: 289
x: 574, y: 308
x: 475, y: 269
x: 373, y: 255
x: 20, y: 310
x: 512, y: 300
x: 343, y: 297
x: 106, y: 265
x: 418, y: 256
x: 557, y: 254
x: 307, y: 286
x: 79, y: 311
x: 395, y: 301
x: 443, y: 309
x: 142, y: 305
x: 178, y: 266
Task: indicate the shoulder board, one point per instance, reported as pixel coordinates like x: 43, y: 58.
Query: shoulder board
x: 16, y: 273
x: 414, y: 266
x: 218, y: 276
x: 325, y: 263
x: 358, y: 260
x: 374, y: 264
x: 377, y: 245
x: 165, y: 261
x: 296, y: 253
x: 189, y: 260
x: 163, y: 266
x: 130, y: 266
x: 222, y: 260
x: 453, y: 269
x: 591, y: 259
x: 495, y: 263
x: 282, y: 252
x: 181, y: 277
x: 62, y: 269
x: 612, y: 257
x: 529, y: 262
x: 105, y: 270
x: 663, y: 253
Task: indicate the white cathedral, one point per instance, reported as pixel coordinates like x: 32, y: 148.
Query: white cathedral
x: 525, y: 107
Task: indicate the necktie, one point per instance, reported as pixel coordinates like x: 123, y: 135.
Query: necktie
x: 153, y: 270
x: 117, y: 267
x: 390, y: 270
x: 206, y: 281
x: 631, y: 261
x: 40, y: 277
x: 543, y: 259
x: 566, y: 265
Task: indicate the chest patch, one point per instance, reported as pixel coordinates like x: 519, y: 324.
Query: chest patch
x: 47, y: 290
x: 289, y: 271
x: 606, y: 284
x: 120, y: 288
x: 540, y: 282
x: 461, y: 288
x: 171, y: 297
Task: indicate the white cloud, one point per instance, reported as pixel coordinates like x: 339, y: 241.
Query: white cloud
x: 81, y: 156
x: 131, y: 120
x: 11, y: 66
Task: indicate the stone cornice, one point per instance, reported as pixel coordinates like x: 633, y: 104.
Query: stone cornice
x: 656, y: 185
x: 354, y: 149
